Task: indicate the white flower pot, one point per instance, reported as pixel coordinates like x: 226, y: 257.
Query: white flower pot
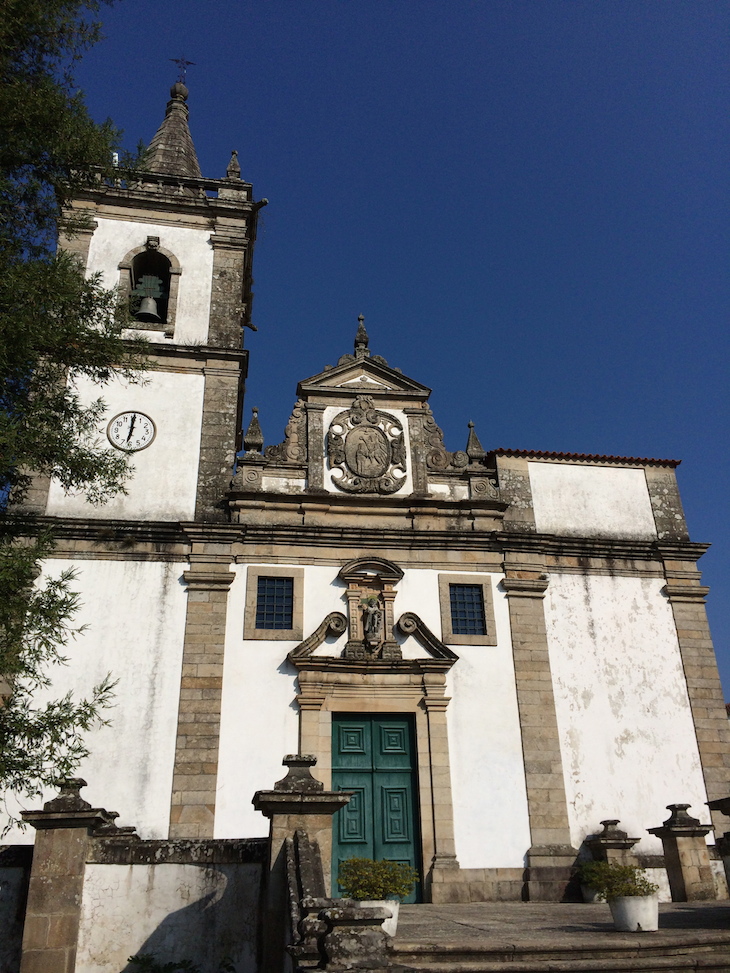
x: 635, y: 913
x: 392, y: 905
x: 590, y: 895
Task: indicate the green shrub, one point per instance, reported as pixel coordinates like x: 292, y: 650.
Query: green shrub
x: 610, y: 880
x: 363, y: 878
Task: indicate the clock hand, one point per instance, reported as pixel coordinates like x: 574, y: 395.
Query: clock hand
x: 131, y: 427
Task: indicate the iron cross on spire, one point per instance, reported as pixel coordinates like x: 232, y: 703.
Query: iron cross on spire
x: 183, y: 65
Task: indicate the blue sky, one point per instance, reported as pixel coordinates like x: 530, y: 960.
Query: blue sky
x: 527, y: 199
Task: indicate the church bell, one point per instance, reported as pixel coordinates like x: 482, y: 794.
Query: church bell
x: 148, y: 310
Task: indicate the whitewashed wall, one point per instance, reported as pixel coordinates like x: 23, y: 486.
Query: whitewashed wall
x: 491, y: 823
x: 259, y: 722
x: 591, y: 501
x: 165, y: 476
x: 174, y: 912
x: 627, y: 738
x: 259, y: 713
x: 135, y: 613
x: 112, y: 241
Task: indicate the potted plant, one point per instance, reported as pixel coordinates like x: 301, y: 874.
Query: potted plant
x: 631, y: 897
x: 378, y: 883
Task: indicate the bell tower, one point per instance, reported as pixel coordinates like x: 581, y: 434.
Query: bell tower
x: 179, y: 248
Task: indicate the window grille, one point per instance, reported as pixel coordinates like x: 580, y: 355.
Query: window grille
x: 467, y: 609
x: 274, y: 602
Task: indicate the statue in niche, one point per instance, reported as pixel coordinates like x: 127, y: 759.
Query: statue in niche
x: 372, y: 623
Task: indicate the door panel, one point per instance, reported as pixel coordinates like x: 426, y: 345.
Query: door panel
x: 373, y: 756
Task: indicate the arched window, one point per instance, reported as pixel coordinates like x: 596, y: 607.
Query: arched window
x: 149, y: 279
x: 150, y: 287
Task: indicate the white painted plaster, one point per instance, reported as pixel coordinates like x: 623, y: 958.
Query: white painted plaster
x: 259, y: 720
x: 174, y: 912
x: 627, y: 737
x: 591, y: 501
x: 113, y: 240
x: 491, y: 824
x: 283, y: 484
x: 449, y: 491
x: 368, y: 379
x: 329, y: 414
x: 135, y: 617
x: 164, y: 481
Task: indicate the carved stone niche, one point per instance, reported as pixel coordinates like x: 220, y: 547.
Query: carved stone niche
x: 370, y: 595
x: 366, y: 449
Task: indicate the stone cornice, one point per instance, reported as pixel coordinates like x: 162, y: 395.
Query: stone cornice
x: 371, y: 667
x: 525, y: 587
x: 172, y: 540
x: 199, y: 579
x: 679, y: 593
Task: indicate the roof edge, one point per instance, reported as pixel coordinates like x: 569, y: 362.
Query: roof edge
x: 585, y: 457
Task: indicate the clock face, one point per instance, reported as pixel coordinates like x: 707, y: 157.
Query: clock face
x: 131, y: 431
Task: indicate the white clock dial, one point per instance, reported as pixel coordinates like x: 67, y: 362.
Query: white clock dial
x: 131, y: 431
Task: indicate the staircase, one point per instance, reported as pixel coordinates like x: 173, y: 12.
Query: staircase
x: 558, y: 938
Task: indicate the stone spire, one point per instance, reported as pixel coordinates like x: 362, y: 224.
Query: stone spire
x: 254, y: 438
x: 474, y: 449
x: 172, y: 151
x: 361, y: 339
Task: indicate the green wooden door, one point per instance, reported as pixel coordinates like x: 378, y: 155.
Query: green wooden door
x: 373, y: 756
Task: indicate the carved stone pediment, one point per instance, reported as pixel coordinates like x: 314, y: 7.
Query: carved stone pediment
x: 366, y: 449
x: 439, y: 655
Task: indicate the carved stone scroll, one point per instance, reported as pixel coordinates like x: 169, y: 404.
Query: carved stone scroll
x: 294, y: 447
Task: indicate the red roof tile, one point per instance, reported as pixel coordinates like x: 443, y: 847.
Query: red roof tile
x: 587, y: 457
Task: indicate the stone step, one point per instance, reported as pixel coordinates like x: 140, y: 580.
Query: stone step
x: 650, y: 954
x: 702, y: 963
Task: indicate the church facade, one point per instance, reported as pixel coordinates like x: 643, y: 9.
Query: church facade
x: 493, y: 650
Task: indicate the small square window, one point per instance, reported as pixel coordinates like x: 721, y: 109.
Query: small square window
x: 274, y: 602
x: 467, y: 609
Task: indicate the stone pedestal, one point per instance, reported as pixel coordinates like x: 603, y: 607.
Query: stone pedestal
x: 354, y: 939
x: 549, y: 870
x: 612, y: 844
x: 298, y: 802
x: 722, y: 843
x: 686, y: 855
x: 56, y: 885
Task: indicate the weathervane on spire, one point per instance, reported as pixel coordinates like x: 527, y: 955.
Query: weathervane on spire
x: 183, y: 65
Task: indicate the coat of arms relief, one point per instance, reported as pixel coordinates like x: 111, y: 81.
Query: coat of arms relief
x: 366, y: 449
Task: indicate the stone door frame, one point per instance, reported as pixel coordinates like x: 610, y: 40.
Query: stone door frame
x: 417, y: 687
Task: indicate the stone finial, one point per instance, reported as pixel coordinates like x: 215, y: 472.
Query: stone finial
x: 612, y: 843
x: 253, y: 440
x: 179, y: 91
x: 679, y: 818
x: 361, y: 339
x: 474, y: 449
x: 299, y: 777
x: 234, y: 169
x: 69, y: 798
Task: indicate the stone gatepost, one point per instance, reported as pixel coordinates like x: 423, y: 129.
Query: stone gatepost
x: 56, y: 885
x: 722, y: 843
x: 612, y: 844
x: 297, y: 802
x: 686, y: 855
